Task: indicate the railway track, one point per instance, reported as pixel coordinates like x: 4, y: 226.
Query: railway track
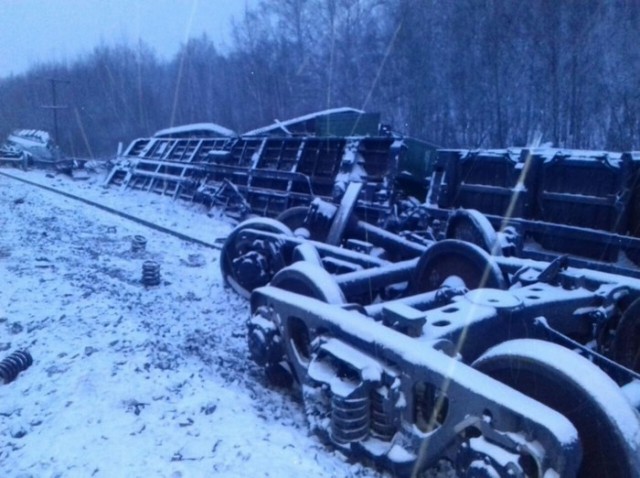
x: 216, y: 244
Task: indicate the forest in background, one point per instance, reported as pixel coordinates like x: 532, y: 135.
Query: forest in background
x: 463, y: 73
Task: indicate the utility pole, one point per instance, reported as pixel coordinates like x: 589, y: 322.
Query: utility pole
x: 54, y: 105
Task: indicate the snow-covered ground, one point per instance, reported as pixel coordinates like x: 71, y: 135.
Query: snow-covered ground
x: 129, y: 381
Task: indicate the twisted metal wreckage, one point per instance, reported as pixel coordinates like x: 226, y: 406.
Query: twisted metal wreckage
x: 441, y: 359
x: 434, y: 345
x: 29, y: 148
x: 449, y: 313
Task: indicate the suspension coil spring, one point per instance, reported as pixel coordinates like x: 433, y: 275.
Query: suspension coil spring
x: 150, y: 273
x: 350, y: 419
x: 15, y: 363
x: 138, y: 243
x: 381, y: 423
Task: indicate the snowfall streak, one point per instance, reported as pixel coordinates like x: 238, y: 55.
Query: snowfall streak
x: 130, y: 217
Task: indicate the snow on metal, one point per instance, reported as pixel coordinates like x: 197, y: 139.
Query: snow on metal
x: 300, y: 119
x: 442, y: 324
x: 195, y: 130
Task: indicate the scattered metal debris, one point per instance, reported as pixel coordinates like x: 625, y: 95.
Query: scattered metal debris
x: 138, y: 243
x: 150, y: 273
x: 13, y: 364
x: 27, y: 148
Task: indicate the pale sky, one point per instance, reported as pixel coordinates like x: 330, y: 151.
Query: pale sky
x: 50, y: 30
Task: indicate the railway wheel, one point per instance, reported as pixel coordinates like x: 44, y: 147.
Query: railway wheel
x: 464, y: 260
x: 294, y: 334
x: 625, y: 348
x: 247, y: 262
x: 472, y: 226
x: 309, y: 280
x: 608, y: 427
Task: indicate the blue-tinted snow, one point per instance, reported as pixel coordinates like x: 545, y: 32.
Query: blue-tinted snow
x: 128, y: 381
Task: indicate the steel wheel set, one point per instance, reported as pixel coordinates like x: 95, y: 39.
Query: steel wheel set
x: 443, y: 358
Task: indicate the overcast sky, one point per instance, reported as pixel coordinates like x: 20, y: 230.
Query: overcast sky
x: 49, y: 30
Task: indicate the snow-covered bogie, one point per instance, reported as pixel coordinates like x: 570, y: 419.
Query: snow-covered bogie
x: 388, y: 349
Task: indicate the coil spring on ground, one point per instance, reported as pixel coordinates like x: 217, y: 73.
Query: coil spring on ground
x: 150, y: 273
x: 15, y: 363
x: 138, y: 243
x: 349, y: 418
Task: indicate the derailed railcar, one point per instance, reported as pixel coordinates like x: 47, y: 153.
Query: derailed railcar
x: 439, y: 359
x: 272, y: 169
x: 547, y: 201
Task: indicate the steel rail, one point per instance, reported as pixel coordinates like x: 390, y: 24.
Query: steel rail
x: 124, y: 215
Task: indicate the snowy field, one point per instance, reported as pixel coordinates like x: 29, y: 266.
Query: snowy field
x: 129, y: 381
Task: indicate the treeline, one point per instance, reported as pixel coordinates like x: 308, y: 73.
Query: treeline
x: 464, y: 73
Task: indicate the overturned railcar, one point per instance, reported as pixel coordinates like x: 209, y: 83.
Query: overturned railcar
x: 276, y: 168
x: 545, y: 201
x: 435, y: 358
